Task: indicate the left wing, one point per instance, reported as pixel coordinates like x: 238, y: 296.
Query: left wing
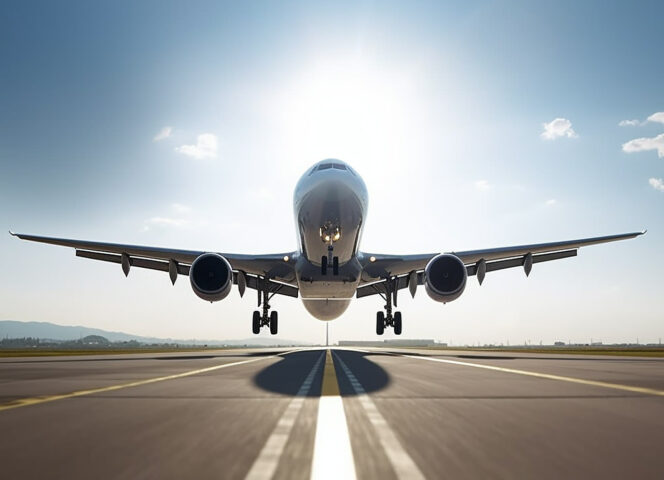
x: 277, y: 266
x: 379, y: 269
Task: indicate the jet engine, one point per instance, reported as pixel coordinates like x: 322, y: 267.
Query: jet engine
x: 445, y: 278
x: 211, y: 277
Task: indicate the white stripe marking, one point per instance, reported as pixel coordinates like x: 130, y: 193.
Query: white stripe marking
x: 333, y: 455
x: 403, y: 465
x: 267, y: 461
x: 594, y: 383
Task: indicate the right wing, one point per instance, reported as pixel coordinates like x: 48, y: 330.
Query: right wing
x: 380, y: 269
x: 258, y: 267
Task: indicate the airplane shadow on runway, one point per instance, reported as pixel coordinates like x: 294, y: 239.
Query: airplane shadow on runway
x: 287, y: 375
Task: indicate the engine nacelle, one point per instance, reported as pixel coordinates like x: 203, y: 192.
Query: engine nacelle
x: 211, y: 277
x: 446, y: 277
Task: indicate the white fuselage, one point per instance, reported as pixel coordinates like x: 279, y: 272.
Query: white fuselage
x: 330, y: 205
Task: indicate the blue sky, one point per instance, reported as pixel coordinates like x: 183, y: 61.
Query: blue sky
x: 441, y: 107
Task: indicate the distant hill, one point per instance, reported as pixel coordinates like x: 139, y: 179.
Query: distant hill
x: 52, y: 331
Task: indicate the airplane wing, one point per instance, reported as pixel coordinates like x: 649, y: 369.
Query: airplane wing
x: 254, y: 267
x: 380, y: 269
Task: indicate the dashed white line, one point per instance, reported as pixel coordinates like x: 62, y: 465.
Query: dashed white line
x: 268, y: 459
x: 402, y: 463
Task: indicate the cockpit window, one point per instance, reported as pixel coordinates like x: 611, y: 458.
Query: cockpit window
x: 327, y: 166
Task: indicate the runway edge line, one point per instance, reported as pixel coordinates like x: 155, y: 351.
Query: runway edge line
x: 25, y: 402
x: 594, y: 383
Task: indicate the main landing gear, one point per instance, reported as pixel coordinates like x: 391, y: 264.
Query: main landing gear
x: 386, y: 319
x: 267, y: 318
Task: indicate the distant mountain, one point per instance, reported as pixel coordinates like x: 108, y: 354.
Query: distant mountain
x: 52, y: 331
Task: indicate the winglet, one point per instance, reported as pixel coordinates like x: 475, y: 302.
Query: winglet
x: 12, y: 233
x: 644, y: 231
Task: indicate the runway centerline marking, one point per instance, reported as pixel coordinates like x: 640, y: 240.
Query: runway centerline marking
x: 25, y: 402
x: 403, y: 465
x: 333, y: 455
x: 594, y: 383
x: 268, y: 459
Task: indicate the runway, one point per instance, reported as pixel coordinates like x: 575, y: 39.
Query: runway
x: 338, y: 413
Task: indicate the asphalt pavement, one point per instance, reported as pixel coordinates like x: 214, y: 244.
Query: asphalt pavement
x: 339, y: 413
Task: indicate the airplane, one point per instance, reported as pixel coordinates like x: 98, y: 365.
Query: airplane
x: 328, y: 268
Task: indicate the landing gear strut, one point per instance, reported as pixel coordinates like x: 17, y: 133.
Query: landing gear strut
x: 265, y: 318
x: 387, y: 319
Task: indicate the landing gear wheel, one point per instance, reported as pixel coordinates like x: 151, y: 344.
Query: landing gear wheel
x: 397, y: 323
x: 380, y: 323
x: 335, y: 266
x: 256, y: 322
x: 323, y: 265
x: 274, y: 323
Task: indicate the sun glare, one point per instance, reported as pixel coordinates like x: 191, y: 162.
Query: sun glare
x: 350, y: 110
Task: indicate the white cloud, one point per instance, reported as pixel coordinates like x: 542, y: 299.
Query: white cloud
x: 206, y: 147
x: 656, y: 117
x: 168, y: 222
x: 643, y: 144
x: 179, y: 208
x: 550, y: 202
x: 629, y: 123
x: 558, y: 127
x: 482, y: 185
x: 657, y: 184
x: 163, y: 134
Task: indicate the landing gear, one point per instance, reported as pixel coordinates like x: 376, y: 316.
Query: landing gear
x: 329, y: 261
x: 386, y: 319
x: 397, y: 323
x: 380, y: 323
x: 265, y: 318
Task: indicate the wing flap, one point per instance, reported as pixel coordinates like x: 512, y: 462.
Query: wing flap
x: 519, y: 261
x: 253, y: 281
x: 401, y: 282
x: 472, y: 256
x: 133, y: 261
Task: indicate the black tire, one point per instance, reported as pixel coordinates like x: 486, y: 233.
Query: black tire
x: 380, y: 323
x: 397, y: 323
x: 274, y: 323
x: 256, y: 322
x: 323, y: 265
x: 335, y: 266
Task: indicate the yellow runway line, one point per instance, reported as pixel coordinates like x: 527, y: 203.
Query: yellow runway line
x: 330, y: 385
x: 25, y: 402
